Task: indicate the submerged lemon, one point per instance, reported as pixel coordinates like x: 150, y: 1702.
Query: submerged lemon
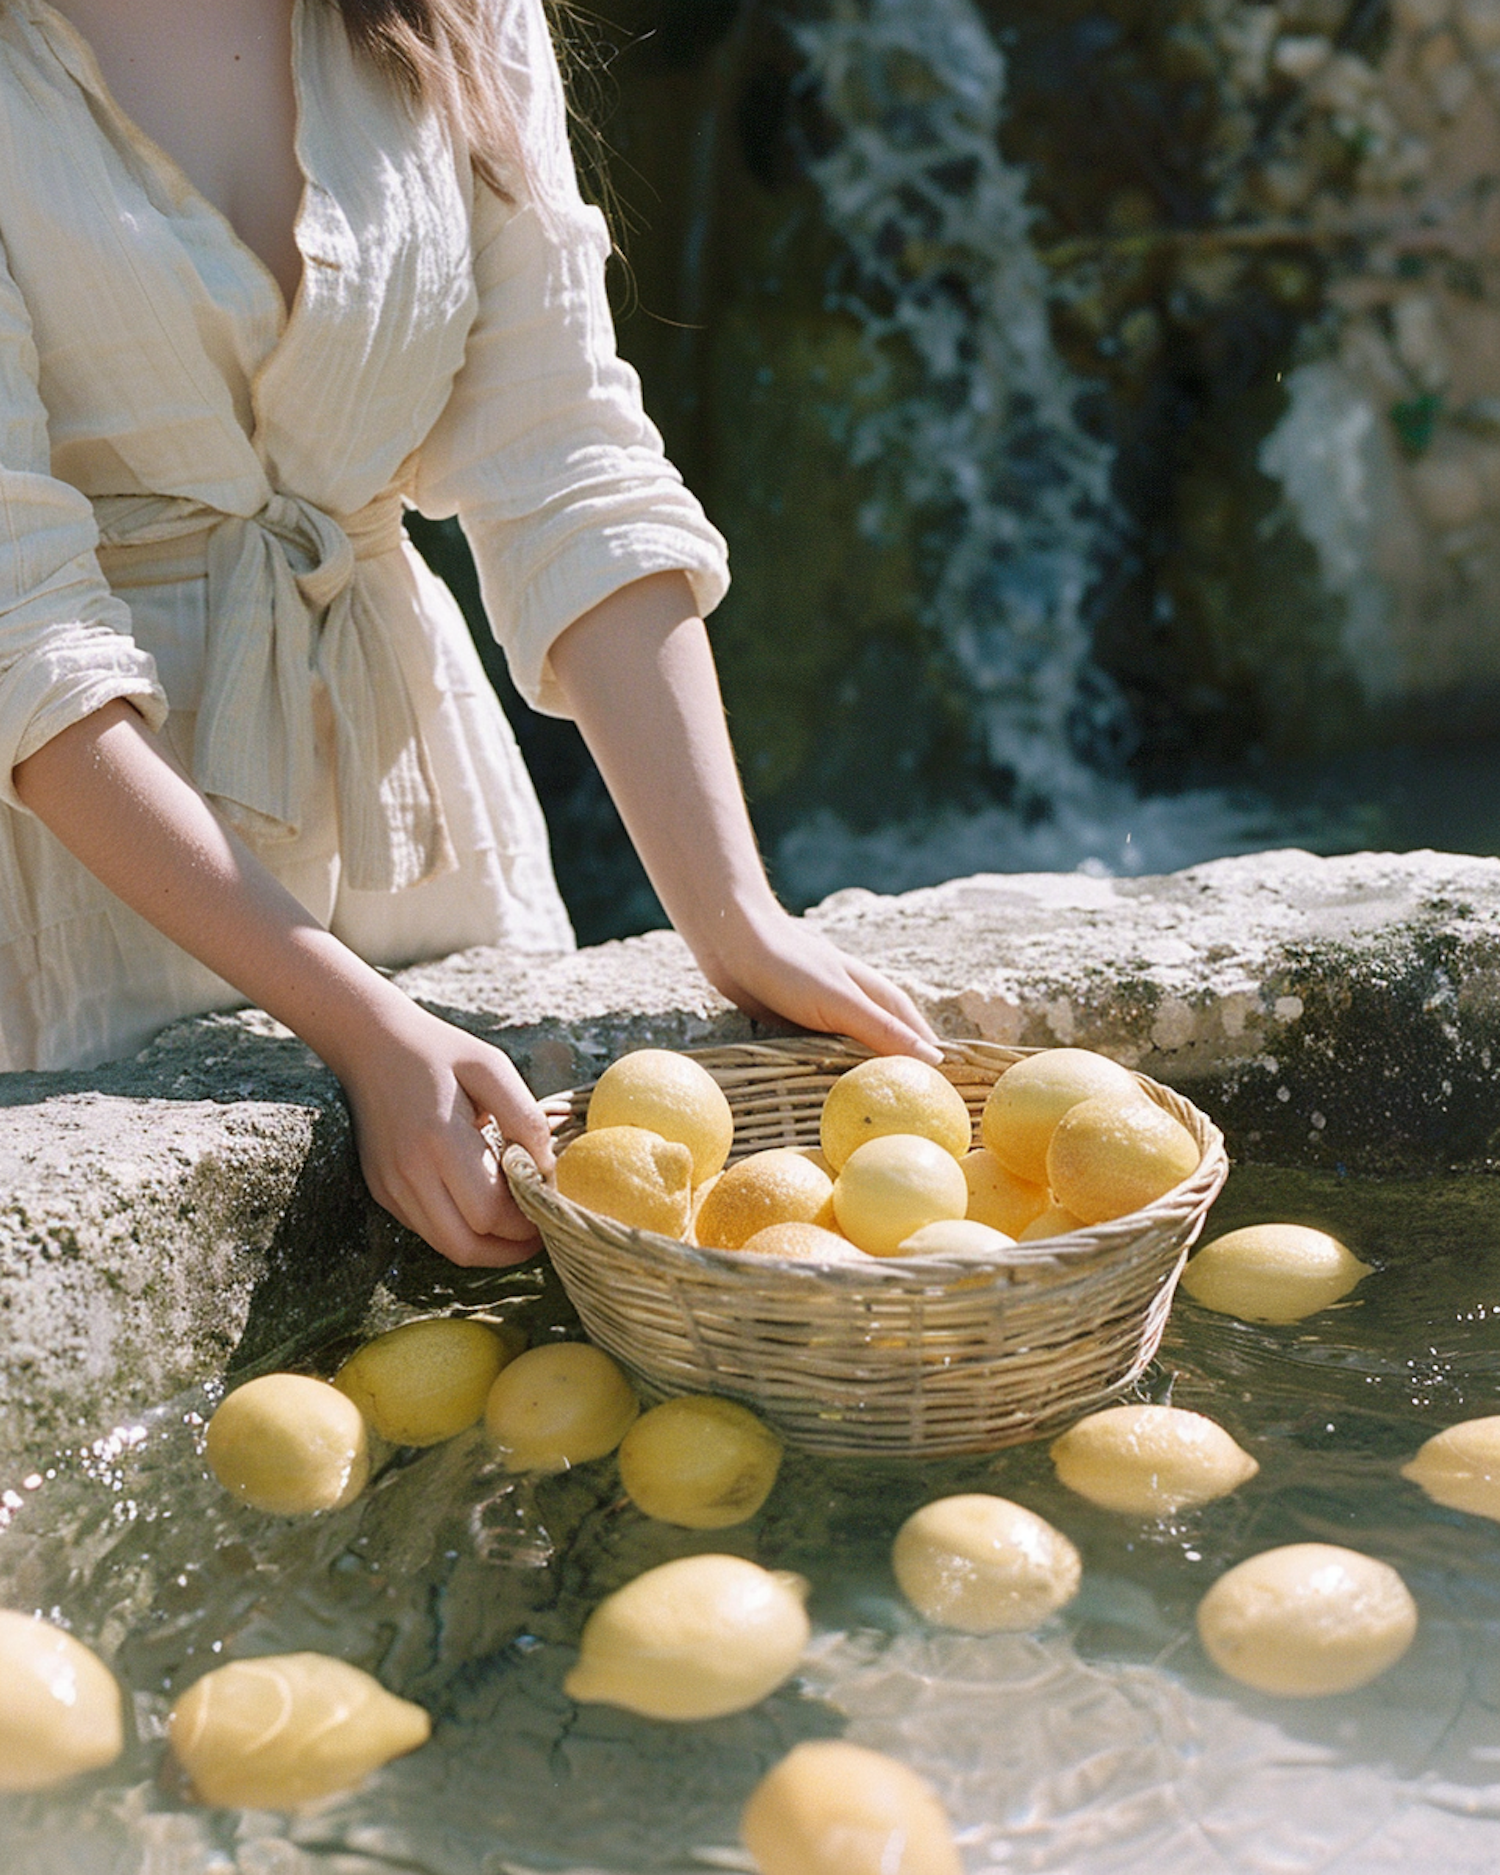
x: 427, y: 1381
x: 279, y: 1732
x: 1149, y: 1460
x: 1460, y: 1467
x: 699, y: 1462
x: 289, y: 1444
x: 668, y: 1094
x: 983, y: 1564
x: 693, y: 1639
x: 997, y: 1197
x: 1032, y: 1095
x: 60, y: 1710
x: 832, y: 1808
x: 1306, y: 1620
x: 778, y: 1186
x: 632, y: 1175
x: 559, y: 1405
x: 1114, y: 1154
x: 892, y: 1186
x: 893, y: 1094
x: 1272, y: 1272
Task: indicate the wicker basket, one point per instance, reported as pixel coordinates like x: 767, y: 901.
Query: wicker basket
x: 911, y: 1356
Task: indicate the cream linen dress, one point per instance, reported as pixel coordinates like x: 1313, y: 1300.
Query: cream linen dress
x: 201, y: 498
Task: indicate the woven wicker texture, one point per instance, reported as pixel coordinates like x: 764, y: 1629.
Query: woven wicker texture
x: 903, y: 1355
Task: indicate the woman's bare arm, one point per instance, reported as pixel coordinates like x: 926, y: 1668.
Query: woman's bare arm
x: 418, y: 1087
x: 640, y: 679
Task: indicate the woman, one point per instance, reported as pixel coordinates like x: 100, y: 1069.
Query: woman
x: 276, y: 267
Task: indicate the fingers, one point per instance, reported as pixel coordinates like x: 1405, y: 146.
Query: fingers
x: 491, y: 1082
x: 916, y: 1031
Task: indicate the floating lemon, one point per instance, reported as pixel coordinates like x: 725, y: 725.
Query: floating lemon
x: 778, y: 1186
x: 955, y: 1236
x: 427, y: 1381
x: 893, y: 1094
x: 983, y: 1564
x: 632, y: 1175
x: 1308, y: 1619
x: 1150, y: 1460
x: 892, y: 1186
x: 997, y: 1197
x: 1461, y: 1467
x: 59, y: 1706
x: 807, y: 1243
x: 699, y: 1462
x: 832, y: 1808
x: 1272, y: 1272
x: 671, y: 1095
x: 693, y: 1639
x: 559, y: 1405
x: 276, y: 1733
x: 289, y: 1444
x: 1032, y: 1095
x: 1113, y: 1154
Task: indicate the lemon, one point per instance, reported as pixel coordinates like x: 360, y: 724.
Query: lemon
x: 892, y: 1186
x: 832, y: 1808
x: 955, y: 1236
x: 289, y: 1444
x: 285, y: 1730
x: 1032, y: 1095
x: 1053, y: 1222
x: 693, y: 1639
x: 1460, y: 1467
x: 668, y: 1094
x: 559, y: 1405
x: 59, y: 1706
x: 809, y: 1243
x: 893, y: 1094
x: 1306, y: 1620
x: 778, y: 1186
x: 426, y: 1381
x: 632, y: 1175
x: 1149, y: 1460
x: 1113, y: 1154
x: 1272, y: 1272
x: 815, y: 1155
x: 699, y: 1462
x: 983, y: 1564
x: 997, y: 1197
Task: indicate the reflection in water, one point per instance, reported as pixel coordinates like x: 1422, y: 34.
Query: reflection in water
x: 1103, y: 1743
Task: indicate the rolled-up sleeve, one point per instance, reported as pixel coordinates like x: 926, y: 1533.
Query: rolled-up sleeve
x: 65, y: 643
x: 543, y: 451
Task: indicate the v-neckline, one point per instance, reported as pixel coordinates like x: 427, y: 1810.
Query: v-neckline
x: 91, y: 76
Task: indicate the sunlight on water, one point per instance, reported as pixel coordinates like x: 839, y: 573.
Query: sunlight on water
x: 1105, y: 1742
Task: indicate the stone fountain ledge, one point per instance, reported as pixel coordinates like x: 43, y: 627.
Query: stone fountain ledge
x: 198, y: 1208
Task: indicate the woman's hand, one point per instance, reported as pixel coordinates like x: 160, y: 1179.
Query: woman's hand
x: 420, y: 1093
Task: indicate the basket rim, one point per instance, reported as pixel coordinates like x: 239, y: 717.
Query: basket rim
x: 1073, y: 1251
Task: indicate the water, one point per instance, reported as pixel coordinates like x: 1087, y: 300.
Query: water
x: 1105, y: 1742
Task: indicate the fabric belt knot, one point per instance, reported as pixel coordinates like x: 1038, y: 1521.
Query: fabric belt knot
x: 285, y: 609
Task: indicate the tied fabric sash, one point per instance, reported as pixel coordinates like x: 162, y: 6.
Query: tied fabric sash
x: 284, y: 608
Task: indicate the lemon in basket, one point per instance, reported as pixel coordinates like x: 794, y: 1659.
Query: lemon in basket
x: 984, y: 1565
x: 1306, y: 1620
x: 1029, y: 1099
x: 834, y: 1808
x: 1055, y: 1221
x: 693, y: 1639
x: 558, y: 1405
x: 804, y: 1243
x: 669, y: 1094
x: 892, y: 1094
x: 956, y: 1236
x: 1113, y: 1154
x: 997, y: 1197
x: 427, y: 1380
x: 890, y: 1187
x: 289, y: 1444
x: 288, y: 1729
x: 59, y: 1706
x: 631, y: 1175
x: 1272, y: 1272
x: 778, y: 1186
x: 1150, y: 1460
x: 699, y: 1462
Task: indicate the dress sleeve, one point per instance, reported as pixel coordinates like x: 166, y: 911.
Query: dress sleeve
x: 543, y: 451
x: 65, y: 643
